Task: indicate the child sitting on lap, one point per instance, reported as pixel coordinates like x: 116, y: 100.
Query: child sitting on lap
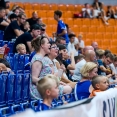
x: 21, y: 49
x: 99, y: 83
x: 48, y: 89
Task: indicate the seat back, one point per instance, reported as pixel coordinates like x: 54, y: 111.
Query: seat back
x: 5, y: 112
x: 1, y: 34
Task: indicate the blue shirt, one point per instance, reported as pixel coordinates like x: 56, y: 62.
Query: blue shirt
x: 45, y: 107
x: 61, y: 26
x: 100, y: 72
x: 81, y: 90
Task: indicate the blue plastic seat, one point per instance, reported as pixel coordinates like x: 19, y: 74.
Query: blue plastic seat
x: 3, y: 82
x: 18, y: 87
x: 26, y: 86
x: 5, y: 112
x: 16, y: 109
x: 10, y: 45
x: 1, y: 34
x: 27, y: 63
x: 1, y: 43
x: 11, y: 88
x: 25, y: 105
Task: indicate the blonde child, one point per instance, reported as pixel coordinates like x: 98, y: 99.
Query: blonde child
x: 48, y: 89
x: 21, y: 49
x: 99, y: 83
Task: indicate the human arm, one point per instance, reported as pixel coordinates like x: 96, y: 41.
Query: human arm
x: 4, y: 23
x: 64, y: 31
x: 29, y: 46
x: 36, y: 68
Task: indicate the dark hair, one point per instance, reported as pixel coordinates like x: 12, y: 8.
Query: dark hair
x: 36, y: 44
x: 5, y: 62
x: 21, y: 14
x: 15, y: 9
x: 12, y: 16
x: 52, y: 43
x: 71, y: 35
x: 86, y: 4
x: 58, y: 39
x: 35, y: 27
x: 110, y: 55
x: 67, y: 26
x: 1, y: 8
x: 61, y: 47
x: 107, y: 52
x: 80, y: 56
x: 108, y: 7
x: 58, y: 12
x: 115, y: 58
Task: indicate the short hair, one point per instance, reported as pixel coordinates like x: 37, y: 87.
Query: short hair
x: 58, y: 39
x: 115, y: 58
x: 1, y: 8
x: 89, y: 66
x: 107, y: 52
x: 80, y: 56
x: 12, y: 16
x: 46, y: 83
x: 96, y: 80
x: 110, y: 55
x: 5, y: 62
x: 35, y: 27
x: 61, y: 47
x: 42, y: 25
x: 21, y: 14
x: 100, y: 53
x: 19, y: 46
x: 58, y: 12
x: 71, y: 35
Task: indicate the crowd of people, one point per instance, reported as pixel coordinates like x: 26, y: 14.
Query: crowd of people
x: 61, y: 64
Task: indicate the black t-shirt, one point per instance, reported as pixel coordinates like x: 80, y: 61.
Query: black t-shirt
x: 9, y: 32
x: 1, y: 26
x: 31, y: 21
x: 24, y: 38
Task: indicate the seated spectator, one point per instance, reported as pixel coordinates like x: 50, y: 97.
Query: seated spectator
x: 95, y: 12
x: 13, y: 30
x: 107, y: 52
x: 21, y: 49
x: 26, y: 27
x: 27, y: 37
x: 78, y: 58
x: 71, y: 46
x: 100, y: 54
x: 60, y: 40
x: 103, y: 15
x: 104, y: 63
x: 61, y: 28
x: 48, y: 89
x: 86, y: 11
x: 83, y: 88
x: 97, y: 4
x: 34, y: 18
x: 7, y: 3
x: 69, y: 31
x: 3, y: 22
x: 110, y: 12
x: 39, y: 21
x: 13, y: 17
x: 94, y: 45
x: 99, y: 83
x: 16, y: 11
x: 89, y: 57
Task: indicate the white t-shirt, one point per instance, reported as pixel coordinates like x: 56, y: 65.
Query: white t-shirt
x: 77, y: 74
x: 96, y: 12
x: 71, y: 48
x: 88, y: 10
x: 113, y: 68
x: 81, y: 44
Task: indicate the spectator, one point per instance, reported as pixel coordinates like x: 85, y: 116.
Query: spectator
x: 110, y: 12
x: 89, y: 57
x: 27, y: 37
x: 34, y: 18
x: 26, y: 27
x: 69, y: 31
x: 21, y: 49
x: 83, y: 88
x: 60, y: 40
x: 99, y: 83
x: 39, y: 68
x: 16, y: 11
x: 100, y: 53
x: 71, y: 46
x: 86, y: 49
x: 97, y: 4
x: 13, y: 30
x: 94, y: 45
x: 86, y: 11
x: 7, y: 3
x: 61, y: 28
x: 103, y: 15
x: 39, y: 21
x: 3, y: 22
x: 95, y: 12
x: 13, y: 17
x: 78, y: 58
x: 48, y: 89
x: 104, y: 63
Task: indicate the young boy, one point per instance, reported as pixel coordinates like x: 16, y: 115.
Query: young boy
x: 48, y: 89
x: 99, y: 83
x: 21, y: 49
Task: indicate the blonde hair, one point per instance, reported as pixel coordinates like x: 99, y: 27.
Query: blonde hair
x: 46, y: 83
x: 89, y: 66
x: 18, y: 47
x: 26, y: 23
x: 80, y: 35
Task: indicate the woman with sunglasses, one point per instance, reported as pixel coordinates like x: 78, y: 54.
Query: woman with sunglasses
x: 50, y: 59
x: 39, y: 67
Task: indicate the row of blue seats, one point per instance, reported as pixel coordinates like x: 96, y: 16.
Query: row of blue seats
x: 36, y: 105
x: 14, y: 88
x: 18, y: 62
